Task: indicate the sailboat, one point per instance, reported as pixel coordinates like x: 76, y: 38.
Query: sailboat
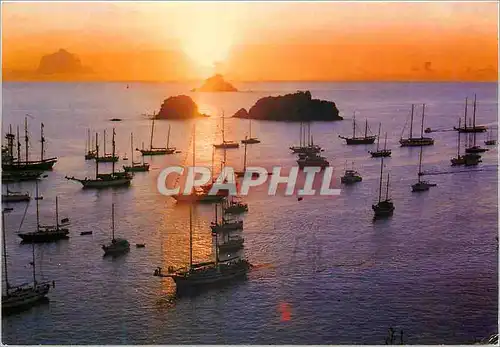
x: 26, y: 295
x: 15, y: 196
x: 114, y: 179
x: 135, y: 167
x: 351, y: 176
x: 468, y: 159
x: 234, y: 206
x: 89, y: 151
x: 44, y: 164
x: 475, y: 148
x: 157, y: 150
x: 381, y: 152
x: 384, y: 208
x: 312, y: 159
x: 46, y: 233
x: 225, y: 224
x: 20, y: 176
x: 226, y: 144
x: 242, y: 173
x: 470, y: 129
x: 416, y: 141
x: 250, y: 140
x: 199, y: 194
x: 117, y: 245
x: 421, y: 186
x: 490, y: 141
x: 207, y: 273
x: 305, y: 146
x: 107, y: 157
x: 362, y: 140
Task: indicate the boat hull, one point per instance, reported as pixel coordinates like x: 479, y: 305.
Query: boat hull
x: 383, y: 209
x: 19, y: 176
x: 250, y: 141
x: 417, y: 142
x: 42, y: 236
x: 24, y: 297
x: 359, y: 140
x: 476, y: 129
x: 15, y: 198
x: 476, y: 149
x: 161, y: 151
x: 138, y: 168
x: 184, y: 283
x: 227, y: 145
x: 351, y: 180
x: 107, y: 159
x: 41, y: 165
x: 490, y: 142
x: 379, y: 154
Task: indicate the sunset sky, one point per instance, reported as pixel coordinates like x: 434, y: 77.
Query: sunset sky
x: 255, y: 41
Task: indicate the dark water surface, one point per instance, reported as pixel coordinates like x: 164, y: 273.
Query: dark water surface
x: 430, y: 270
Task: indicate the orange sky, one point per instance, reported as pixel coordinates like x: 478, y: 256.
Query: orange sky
x: 256, y: 41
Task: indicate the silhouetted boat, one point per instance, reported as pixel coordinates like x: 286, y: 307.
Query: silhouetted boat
x: 23, y: 296
x: 114, y: 179
x: 416, y: 141
x: 9, y: 163
x: 361, y: 140
x: 116, y: 246
x: 351, y: 176
x: 305, y: 146
x: 207, y: 273
x: 384, y: 208
x: 225, y: 144
x: 250, y: 140
x: 15, y: 196
x: 135, y: 167
x: 235, y: 207
x: 475, y: 148
x: 312, y: 160
x: 107, y: 157
x: 157, y: 150
x: 381, y: 152
x: 45, y: 233
x: 468, y: 159
x: 470, y: 129
x: 421, y: 186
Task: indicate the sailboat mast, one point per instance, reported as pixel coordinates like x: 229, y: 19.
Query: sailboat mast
x: 474, y: 120
x: 96, y: 155
x: 26, y: 136
x: 378, y: 137
x: 18, y: 146
x: 387, y: 191
x: 458, y: 144
x: 465, y: 114
x: 33, y: 262
x: 132, y: 147
x: 223, y: 132
x: 354, y: 124
x: 422, y: 126
x: 42, y: 139
x: 250, y: 128
x: 380, y: 186
x: 113, y: 153
x: 152, y: 131
x: 385, y: 142
x: 366, y: 127
x: 245, y: 158
x: 308, y: 133
x: 4, y: 251
x: 104, y: 145
x: 37, y: 210
x: 113, y: 220
x: 168, y: 136
x: 411, y: 121
x: 300, y: 135
x: 57, y: 214
x: 420, y: 164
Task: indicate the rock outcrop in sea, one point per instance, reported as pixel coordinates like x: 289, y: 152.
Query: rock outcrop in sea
x: 299, y: 106
x: 179, y: 107
x: 61, y: 62
x: 216, y: 83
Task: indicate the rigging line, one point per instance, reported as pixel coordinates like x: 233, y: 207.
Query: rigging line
x: 457, y: 171
x: 404, y: 128
x: 24, y: 215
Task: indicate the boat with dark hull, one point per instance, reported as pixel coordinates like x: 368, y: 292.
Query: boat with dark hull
x: 9, y: 163
x: 314, y: 160
x: 10, y: 196
x: 380, y: 152
x: 135, y: 167
x: 17, y: 298
x: 490, y: 140
x: 421, y: 186
x: 416, y: 141
x: 46, y: 233
x: 384, y: 208
x: 157, y: 150
x: 113, y: 179
x: 306, y: 143
x: 235, y: 207
x: 468, y: 159
x: 106, y: 157
x: 225, y: 144
x: 474, y: 149
x: 117, y: 246
x: 250, y: 140
x: 470, y: 129
x: 351, y: 176
x: 359, y: 140
x: 90, y: 152
x: 20, y: 176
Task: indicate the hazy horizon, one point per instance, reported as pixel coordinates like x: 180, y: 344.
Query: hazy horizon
x: 246, y: 42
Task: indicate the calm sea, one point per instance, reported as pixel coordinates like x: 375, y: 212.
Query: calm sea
x: 431, y: 270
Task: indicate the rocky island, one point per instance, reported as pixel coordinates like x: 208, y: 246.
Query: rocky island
x: 296, y: 107
x: 216, y: 83
x: 179, y: 107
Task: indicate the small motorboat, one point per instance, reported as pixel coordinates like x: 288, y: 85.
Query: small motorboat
x: 86, y: 233
x: 140, y: 245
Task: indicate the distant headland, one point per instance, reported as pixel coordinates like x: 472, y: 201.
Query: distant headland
x: 296, y: 107
x: 216, y: 83
x: 179, y: 107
